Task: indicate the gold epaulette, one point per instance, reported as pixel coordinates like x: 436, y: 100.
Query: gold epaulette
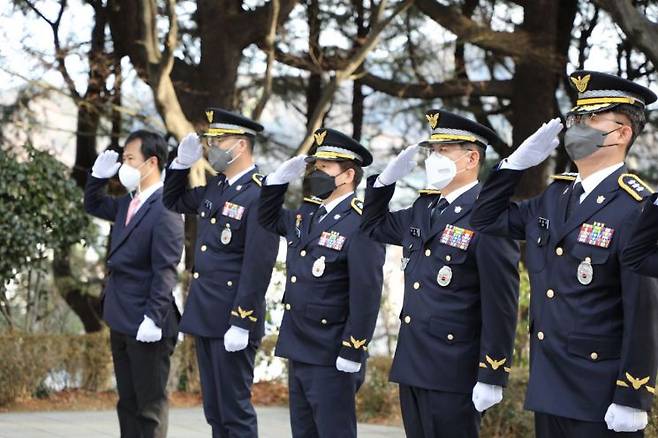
x: 258, y: 179
x: 566, y: 176
x: 429, y: 192
x: 634, y: 186
x: 313, y: 200
x: 357, y: 205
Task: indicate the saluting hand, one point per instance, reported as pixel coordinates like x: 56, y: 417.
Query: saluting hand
x: 288, y: 171
x: 535, y: 148
x: 106, y: 165
x: 189, y: 152
x: 401, y: 166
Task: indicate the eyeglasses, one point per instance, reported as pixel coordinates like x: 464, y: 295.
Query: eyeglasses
x: 579, y: 119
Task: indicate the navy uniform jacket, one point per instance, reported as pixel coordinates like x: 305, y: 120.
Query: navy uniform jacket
x: 334, y: 280
x: 591, y: 344
x: 230, y: 275
x: 452, y: 335
x: 641, y: 252
x: 141, y: 261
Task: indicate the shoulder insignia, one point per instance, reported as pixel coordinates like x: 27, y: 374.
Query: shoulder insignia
x: 634, y: 186
x: 258, y: 179
x: 566, y: 176
x: 313, y: 200
x: 429, y: 192
x: 357, y: 205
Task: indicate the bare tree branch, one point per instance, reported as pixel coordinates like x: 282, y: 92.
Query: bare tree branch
x: 347, y: 72
x: 269, y: 44
x: 637, y: 27
x: 60, y: 54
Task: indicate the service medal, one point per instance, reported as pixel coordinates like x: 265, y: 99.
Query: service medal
x: 585, y: 272
x: 226, y: 235
x: 318, y: 267
x: 445, y: 276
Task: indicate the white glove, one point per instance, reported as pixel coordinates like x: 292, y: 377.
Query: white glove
x: 148, y: 331
x: 485, y: 396
x: 106, y: 165
x: 189, y: 152
x: 401, y: 166
x: 625, y: 419
x: 535, y: 148
x: 347, y: 366
x: 236, y: 339
x: 288, y: 171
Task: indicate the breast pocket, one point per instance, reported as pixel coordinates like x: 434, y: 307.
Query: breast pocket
x: 230, y: 231
x: 411, y: 248
x: 536, y: 247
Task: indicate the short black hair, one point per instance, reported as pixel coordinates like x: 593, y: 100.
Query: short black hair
x: 153, y: 145
x: 636, y: 116
x: 358, y: 170
x: 482, y: 152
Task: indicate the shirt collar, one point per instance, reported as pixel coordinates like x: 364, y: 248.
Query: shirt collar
x: 144, y: 195
x: 452, y: 196
x: 331, y: 205
x: 592, y: 181
x: 241, y: 174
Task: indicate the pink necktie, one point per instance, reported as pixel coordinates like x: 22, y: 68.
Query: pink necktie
x: 132, y: 208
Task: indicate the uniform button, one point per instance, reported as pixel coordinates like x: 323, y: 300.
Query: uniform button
x: 428, y: 252
x: 324, y: 321
x: 407, y: 319
x: 559, y: 251
x: 196, y: 275
x: 229, y: 283
x: 550, y: 293
x: 293, y: 279
x: 204, y: 248
x: 594, y: 355
x: 302, y: 253
x: 203, y: 214
x: 450, y: 336
x: 288, y: 306
x: 448, y: 258
x: 213, y: 220
x: 540, y: 336
x: 416, y: 285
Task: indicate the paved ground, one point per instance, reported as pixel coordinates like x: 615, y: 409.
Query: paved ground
x: 183, y: 423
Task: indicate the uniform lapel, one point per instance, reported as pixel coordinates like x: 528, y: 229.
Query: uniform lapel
x: 595, y: 201
x: 136, y: 219
x: 455, y: 211
x: 332, y: 218
x: 232, y: 191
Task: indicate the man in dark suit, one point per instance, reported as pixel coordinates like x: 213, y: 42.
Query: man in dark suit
x: 458, y: 319
x: 334, y: 285
x: 138, y: 305
x: 233, y: 261
x: 592, y: 320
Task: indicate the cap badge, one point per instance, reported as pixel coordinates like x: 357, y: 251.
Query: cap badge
x: 433, y: 119
x: 319, y: 137
x: 581, y: 83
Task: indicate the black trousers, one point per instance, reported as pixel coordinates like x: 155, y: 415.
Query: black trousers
x: 141, y: 371
x: 322, y: 400
x: 552, y: 426
x: 226, y: 380
x: 437, y: 414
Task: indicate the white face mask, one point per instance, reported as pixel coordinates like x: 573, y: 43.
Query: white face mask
x: 440, y: 170
x: 130, y: 176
